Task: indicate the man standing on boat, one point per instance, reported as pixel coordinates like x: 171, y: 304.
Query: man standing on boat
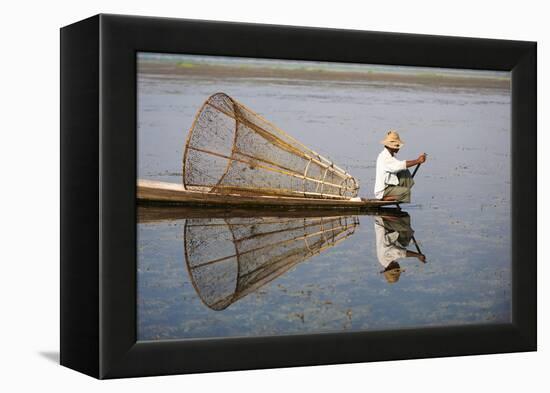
x: 393, y: 179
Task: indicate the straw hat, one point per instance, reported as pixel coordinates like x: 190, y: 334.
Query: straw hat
x: 392, y: 272
x: 392, y: 140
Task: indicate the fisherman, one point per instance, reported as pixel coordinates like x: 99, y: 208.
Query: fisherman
x: 393, y: 235
x: 393, y: 179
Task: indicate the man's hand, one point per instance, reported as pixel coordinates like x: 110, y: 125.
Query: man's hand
x: 422, y: 158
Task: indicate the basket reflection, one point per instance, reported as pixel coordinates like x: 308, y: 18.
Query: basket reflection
x: 229, y: 258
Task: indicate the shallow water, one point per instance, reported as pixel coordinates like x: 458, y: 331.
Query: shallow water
x: 460, y: 211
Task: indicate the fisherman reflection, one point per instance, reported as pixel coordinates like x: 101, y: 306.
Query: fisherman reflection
x: 393, y: 236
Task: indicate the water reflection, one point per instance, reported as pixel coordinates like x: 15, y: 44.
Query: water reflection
x: 393, y: 237
x: 230, y: 254
x: 230, y: 258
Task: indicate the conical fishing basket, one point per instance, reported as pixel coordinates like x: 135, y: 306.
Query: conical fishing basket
x: 231, y: 149
x: 228, y: 259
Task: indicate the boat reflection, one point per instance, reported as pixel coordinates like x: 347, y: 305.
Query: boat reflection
x: 229, y: 258
x: 230, y: 253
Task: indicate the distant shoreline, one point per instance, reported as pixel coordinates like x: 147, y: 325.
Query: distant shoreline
x: 154, y: 68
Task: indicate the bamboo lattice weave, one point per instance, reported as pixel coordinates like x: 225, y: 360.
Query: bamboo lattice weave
x: 232, y: 149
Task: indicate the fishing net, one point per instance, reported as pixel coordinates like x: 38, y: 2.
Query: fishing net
x: 231, y: 149
x: 229, y: 258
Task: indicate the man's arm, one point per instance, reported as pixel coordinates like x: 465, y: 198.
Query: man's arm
x: 420, y: 160
x: 421, y: 257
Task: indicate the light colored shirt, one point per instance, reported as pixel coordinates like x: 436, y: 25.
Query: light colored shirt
x: 387, y: 167
x: 388, y: 249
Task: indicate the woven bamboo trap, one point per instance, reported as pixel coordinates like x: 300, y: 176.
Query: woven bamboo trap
x: 230, y: 149
x: 230, y: 258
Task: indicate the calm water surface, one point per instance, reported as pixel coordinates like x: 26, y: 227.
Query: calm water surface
x: 306, y: 274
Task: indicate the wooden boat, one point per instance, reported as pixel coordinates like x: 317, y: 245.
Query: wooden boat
x: 163, y: 193
x: 156, y: 213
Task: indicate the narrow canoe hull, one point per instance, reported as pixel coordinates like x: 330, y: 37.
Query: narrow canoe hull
x: 163, y: 193
x: 152, y: 213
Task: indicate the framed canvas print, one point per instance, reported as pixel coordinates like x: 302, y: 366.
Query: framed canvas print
x: 239, y: 196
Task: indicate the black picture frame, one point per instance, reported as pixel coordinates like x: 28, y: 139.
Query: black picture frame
x: 98, y: 195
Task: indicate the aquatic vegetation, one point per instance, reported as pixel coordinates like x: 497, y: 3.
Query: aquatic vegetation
x: 186, y: 65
